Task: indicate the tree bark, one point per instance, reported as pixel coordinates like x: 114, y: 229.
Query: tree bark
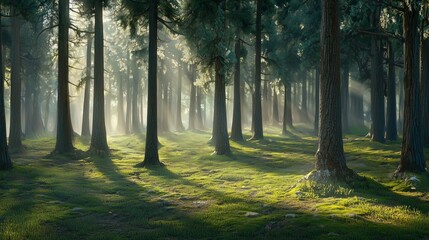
x: 391, y: 128
x: 258, y: 132
x: 151, y: 151
x: 345, y: 98
x: 99, y: 139
x: 316, y: 102
x: 236, y: 129
x: 15, y: 132
x: 330, y: 159
x: 86, y: 99
x: 64, y: 141
x: 275, y: 106
x: 220, y: 128
x: 377, y: 83
x: 412, y: 158
x: 128, y: 84
x: 199, y: 110
x: 179, y: 123
x: 287, y: 111
x: 5, y: 161
x: 135, y: 119
x: 304, y: 109
x: 424, y: 81
x: 192, y: 98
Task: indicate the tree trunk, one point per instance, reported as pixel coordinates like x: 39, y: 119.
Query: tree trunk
x: 275, y: 107
x: 424, y: 81
x: 258, y: 132
x: 120, y: 94
x: 304, y: 110
x: 391, y: 129
x: 99, y: 139
x: 377, y: 83
x: 287, y: 111
x: 28, y: 105
x: 86, y: 99
x: 199, y: 123
x: 165, y: 107
x: 179, y: 123
x: 5, y: 161
x: 401, y: 101
x: 412, y: 158
x: 345, y: 98
x: 151, y: 151
x: 316, y: 102
x: 330, y: 159
x: 220, y: 128
x: 135, y: 119
x: 192, y: 97
x: 128, y: 81
x: 64, y: 142
x: 236, y: 129
x: 15, y: 132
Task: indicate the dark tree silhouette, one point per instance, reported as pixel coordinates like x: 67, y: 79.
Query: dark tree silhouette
x: 258, y: 132
x: 64, y: 141
x: 86, y: 100
x: 412, y: 158
x: 98, y: 139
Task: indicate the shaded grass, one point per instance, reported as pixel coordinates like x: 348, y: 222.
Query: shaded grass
x: 198, y: 195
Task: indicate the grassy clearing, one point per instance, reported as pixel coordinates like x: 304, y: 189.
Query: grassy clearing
x: 202, y: 196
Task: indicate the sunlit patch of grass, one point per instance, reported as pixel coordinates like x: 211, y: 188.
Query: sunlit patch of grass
x: 201, y: 195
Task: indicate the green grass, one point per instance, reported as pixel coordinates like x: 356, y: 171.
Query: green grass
x: 198, y: 195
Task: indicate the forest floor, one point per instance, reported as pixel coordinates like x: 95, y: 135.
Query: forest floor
x: 198, y: 195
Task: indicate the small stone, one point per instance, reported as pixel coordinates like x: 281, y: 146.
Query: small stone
x: 290, y: 215
x: 333, y: 234
x: 55, y: 202
x: 351, y: 215
x: 76, y: 209
x: 251, y: 214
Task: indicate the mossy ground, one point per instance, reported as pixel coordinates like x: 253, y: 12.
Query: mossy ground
x: 198, y: 195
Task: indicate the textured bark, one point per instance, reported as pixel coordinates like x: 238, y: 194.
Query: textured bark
x: 236, y: 129
x: 287, y: 111
x: 258, y: 132
x: 99, y: 139
x: 275, y: 107
x: 391, y: 129
x: 64, y: 141
x: 345, y: 98
x: 192, y: 98
x: 135, y: 119
x: 330, y: 154
x: 220, y: 128
x: 377, y: 83
x: 304, y: 109
x: 151, y: 150
x: 199, y: 122
x: 15, y: 132
x: 412, y: 158
x: 316, y: 102
x: 86, y: 98
x: 120, y: 128
x: 424, y: 80
x: 163, y: 98
x: 28, y: 105
x: 179, y: 123
x: 5, y: 161
x: 401, y: 102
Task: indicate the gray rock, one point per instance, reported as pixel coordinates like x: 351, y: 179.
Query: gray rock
x: 251, y: 214
x: 290, y: 215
